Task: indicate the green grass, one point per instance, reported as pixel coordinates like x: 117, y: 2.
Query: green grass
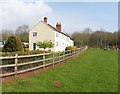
x: 92, y: 71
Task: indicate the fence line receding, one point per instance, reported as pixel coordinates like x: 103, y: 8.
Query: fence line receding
x: 13, y: 65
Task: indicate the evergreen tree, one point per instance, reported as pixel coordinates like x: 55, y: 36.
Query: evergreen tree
x: 13, y: 44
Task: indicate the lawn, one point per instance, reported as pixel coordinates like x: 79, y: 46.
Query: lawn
x: 92, y: 71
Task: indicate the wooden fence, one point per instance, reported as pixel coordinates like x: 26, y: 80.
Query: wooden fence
x: 40, y: 61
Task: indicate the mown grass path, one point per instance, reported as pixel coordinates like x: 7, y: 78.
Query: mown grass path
x: 92, y: 71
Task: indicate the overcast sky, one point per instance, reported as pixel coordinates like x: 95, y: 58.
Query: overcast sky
x: 74, y: 16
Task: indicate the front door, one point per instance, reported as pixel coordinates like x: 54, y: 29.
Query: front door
x: 34, y: 46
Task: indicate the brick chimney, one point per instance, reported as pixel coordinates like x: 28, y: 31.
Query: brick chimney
x: 45, y: 19
x: 58, y: 26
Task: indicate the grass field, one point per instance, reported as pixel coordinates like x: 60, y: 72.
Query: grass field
x: 92, y: 71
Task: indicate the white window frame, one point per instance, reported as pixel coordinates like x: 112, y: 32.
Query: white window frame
x: 57, y: 35
x: 57, y: 44
x: 34, y: 34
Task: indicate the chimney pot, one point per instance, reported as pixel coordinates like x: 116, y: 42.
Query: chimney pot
x: 58, y: 26
x: 45, y: 19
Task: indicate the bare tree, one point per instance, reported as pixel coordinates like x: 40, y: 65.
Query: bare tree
x: 6, y: 33
x: 23, y: 32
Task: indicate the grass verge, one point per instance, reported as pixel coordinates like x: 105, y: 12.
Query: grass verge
x: 92, y: 71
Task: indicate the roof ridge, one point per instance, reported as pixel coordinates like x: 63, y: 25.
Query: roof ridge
x: 52, y: 27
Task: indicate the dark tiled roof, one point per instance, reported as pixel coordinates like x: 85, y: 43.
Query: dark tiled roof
x: 52, y: 27
x: 58, y: 30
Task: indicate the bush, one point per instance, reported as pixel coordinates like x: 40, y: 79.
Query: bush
x: 1, y: 49
x: 26, y: 49
x: 13, y: 44
x: 21, y: 53
x: 70, y: 48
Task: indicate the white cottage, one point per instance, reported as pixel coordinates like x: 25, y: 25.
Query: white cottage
x: 44, y: 31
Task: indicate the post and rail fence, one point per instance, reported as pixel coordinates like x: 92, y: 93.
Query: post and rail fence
x: 14, y: 65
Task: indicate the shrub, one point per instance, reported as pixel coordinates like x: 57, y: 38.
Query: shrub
x: 70, y: 48
x: 13, y: 44
x: 26, y: 49
x: 21, y: 53
x: 1, y: 49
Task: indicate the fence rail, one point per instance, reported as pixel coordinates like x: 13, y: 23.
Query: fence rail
x: 53, y: 59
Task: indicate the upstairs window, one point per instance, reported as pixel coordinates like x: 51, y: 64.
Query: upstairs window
x: 56, y: 34
x: 34, y: 34
x: 67, y: 39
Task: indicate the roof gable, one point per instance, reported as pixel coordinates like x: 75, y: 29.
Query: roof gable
x: 51, y: 27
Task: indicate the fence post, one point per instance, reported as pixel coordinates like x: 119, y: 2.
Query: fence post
x: 16, y: 61
x: 63, y: 55
x: 74, y: 51
x: 59, y: 56
x: 53, y: 58
x: 44, y: 59
x: 79, y: 50
x: 71, y: 53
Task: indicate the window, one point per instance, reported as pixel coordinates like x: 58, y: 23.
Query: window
x: 34, y: 46
x: 57, y: 44
x: 67, y: 39
x: 56, y: 34
x: 34, y: 34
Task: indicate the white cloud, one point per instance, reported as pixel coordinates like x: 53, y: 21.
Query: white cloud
x: 16, y: 12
